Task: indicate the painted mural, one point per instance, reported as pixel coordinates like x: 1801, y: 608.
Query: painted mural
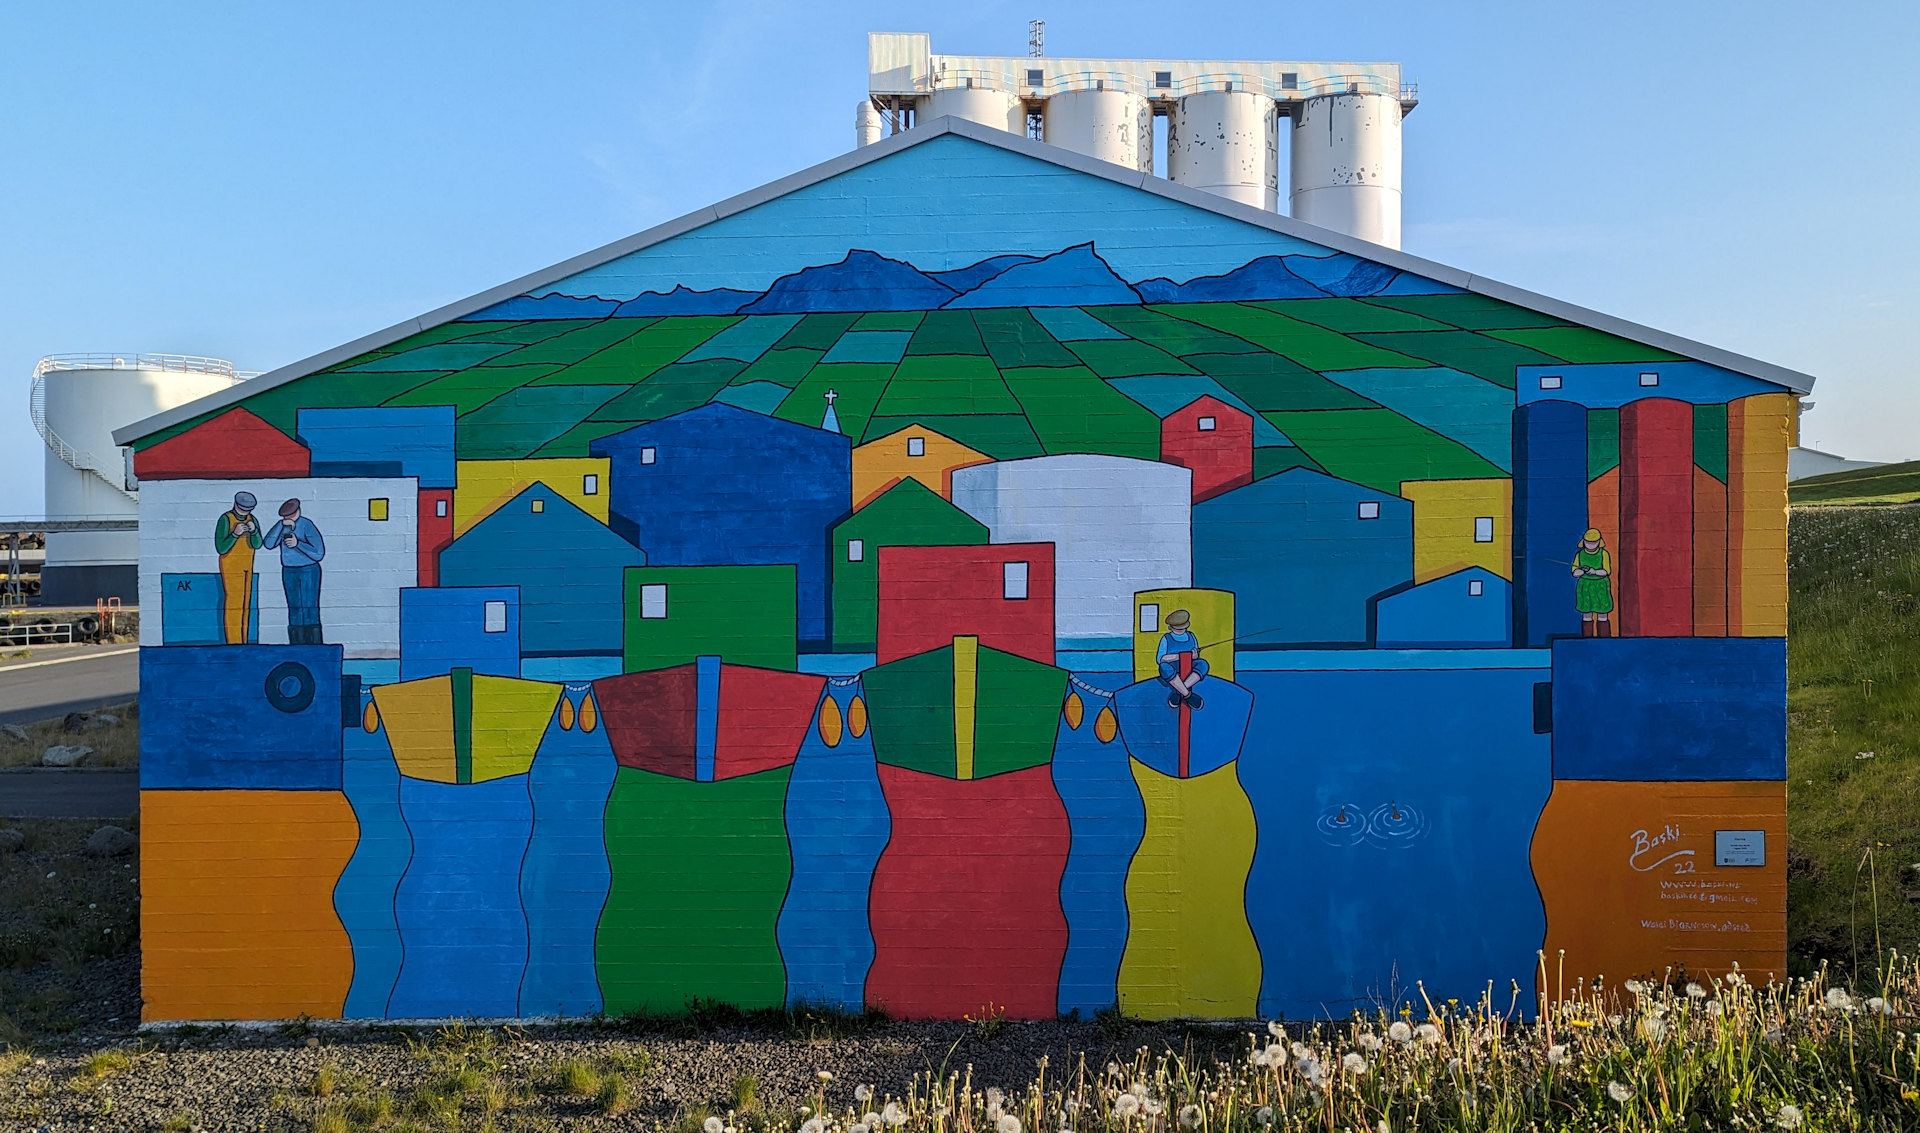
x: 1124, y: 607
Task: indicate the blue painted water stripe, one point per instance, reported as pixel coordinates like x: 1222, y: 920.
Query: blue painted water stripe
x: 1317, y: 660
x: 836, y: 664
x: 706, y: 733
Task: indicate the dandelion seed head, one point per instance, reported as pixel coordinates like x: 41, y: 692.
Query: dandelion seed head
x: 712, y: 1125
x: 1620, y: 1092
x: 824, y: 1075
x: 1789, y: 1117
x: 1838, y: 999
x: 1557, y: 1055
x: 995, y: 1096
x: 1189, y: 1117
x: 1370, y: 1042
x: 1636, y: 987
x: 1399, y: 1032
x: 1383, y: 1127
x: 1354, y: 1063
x: 1695, y: 991
x: 1006, y: 1123
x: 1654, y: 1028
x: 893, y: 1114
x: 863, y: 1093
x: 1276, y: 1030
x: 813, y: 1125
x: 1878, y: 1006
x: 1264, y: 1115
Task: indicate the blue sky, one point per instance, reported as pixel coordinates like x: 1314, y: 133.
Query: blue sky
x: 261, y: 182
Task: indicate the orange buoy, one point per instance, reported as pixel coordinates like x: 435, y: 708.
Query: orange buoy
x: 857, y: 717
x: 1106, y: 725
x: 830, y: 722
x: 370, y: 718
x: 589, y: 716
x: 566, y: 714
x: 1075, y: 711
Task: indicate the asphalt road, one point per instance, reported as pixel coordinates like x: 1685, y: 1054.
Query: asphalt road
x: 69, y: 793
x: 43, y: 692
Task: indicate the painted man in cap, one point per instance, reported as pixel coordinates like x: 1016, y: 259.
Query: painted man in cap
x: 1179, y: 639
x: 236, y: 536
x: 301, y: 550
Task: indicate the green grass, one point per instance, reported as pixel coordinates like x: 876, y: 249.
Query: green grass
x: 1887, y: 484
x: 114, y: 745
x: 1853, y: 666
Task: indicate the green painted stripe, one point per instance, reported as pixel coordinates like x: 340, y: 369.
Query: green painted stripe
x: 462, y: 725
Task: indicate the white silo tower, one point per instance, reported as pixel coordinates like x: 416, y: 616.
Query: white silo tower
x: 1226, y: 142
x: 1346, y: 164
x: 77, y: 401
x: 1112, y: 125
x: 996, y: 108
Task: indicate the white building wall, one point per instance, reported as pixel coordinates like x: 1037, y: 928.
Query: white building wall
x: 367, y: 560
x: 1117, y: 526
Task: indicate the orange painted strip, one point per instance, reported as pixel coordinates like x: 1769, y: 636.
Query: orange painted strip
x: 1627, y: 872
x: 1709, y: 556
x: 236, y: 911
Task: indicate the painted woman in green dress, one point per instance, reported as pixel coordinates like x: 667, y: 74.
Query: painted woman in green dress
x: 1593, y: 584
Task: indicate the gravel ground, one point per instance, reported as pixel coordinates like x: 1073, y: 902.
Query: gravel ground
x: 265, y: 1078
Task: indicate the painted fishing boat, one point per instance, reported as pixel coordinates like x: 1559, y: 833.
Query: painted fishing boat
x: 1184, y: 742
x: 964, y: 711
x: 464, y: 727
x: 707, y: 721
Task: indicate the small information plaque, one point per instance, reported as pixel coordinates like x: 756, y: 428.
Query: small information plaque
x: 1739, y: 847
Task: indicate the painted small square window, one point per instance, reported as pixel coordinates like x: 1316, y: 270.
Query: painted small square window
x: 1369, y: 509
x: 1208, y: 424
x: 440, y: 509
x: 1149, y: 617
x: 653, y: 600
x: 539, y: 506
x: 590, y: 484
x: 1289, y: 80
x: 495, y: 617
x: 1549, y: 381
x: 648, y: 454
x: 1483, y: 529
x: 377, y: 510
x: 916, y: 446
x: 856, y: 550
x: 1649, y: 379
x: 1475, y: 587
x: 1013, y: 577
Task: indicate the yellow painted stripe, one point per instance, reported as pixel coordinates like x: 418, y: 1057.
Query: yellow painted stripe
x: 1758, y: 428
x: 966, y: 677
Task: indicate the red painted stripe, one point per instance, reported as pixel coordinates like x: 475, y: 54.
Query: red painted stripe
x: 965, y: 902
x: 1654, y: 561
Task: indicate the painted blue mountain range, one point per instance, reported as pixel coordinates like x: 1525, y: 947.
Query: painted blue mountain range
x: 1072, y: 277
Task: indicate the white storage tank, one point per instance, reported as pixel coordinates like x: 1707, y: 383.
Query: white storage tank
x: 77, y: 401
x: 1225, y: 142
x: 866, y: 123
x: 994, y: 108
x: 1346, y: 165
x: 1109, y: 125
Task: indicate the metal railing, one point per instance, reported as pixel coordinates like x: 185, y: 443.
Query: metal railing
x: 1130, y: 82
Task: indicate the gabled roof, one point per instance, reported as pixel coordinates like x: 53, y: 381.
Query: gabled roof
x: 1054, y: 155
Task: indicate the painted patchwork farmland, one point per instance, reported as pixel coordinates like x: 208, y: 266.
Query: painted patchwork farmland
x: 1203, y: 623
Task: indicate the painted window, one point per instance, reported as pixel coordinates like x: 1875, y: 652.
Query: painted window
x: 653, y: 600
x: 647, y: 454
x: 916, y: 446
x: 1549, y: 381
x: 1370, y: 509
x: 590, y: 484
x: 856, y: 550
x: 377, y: 510
x: 1149, y: 616
x: 495, y: 615
x: 440, y: 509
x: 1013, y: 577
x: 1649, y: 379
x: 1475, y: 587
x: 1483, y: 529
x: 539, y: 506
x: 1207, y: 424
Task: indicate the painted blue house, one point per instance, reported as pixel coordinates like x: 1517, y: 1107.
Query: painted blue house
x: 722, y: 486
x: 567, y: 564
x: 381, y: 441
x: 443, y: 628
x: 1468, y: 609
x: 1303, y: 553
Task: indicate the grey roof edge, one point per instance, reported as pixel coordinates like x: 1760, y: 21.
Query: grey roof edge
x: 1793, y: 380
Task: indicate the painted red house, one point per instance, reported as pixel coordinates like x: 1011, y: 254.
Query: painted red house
x: 234, y: 445
x: 1212, y: 438
x: 1002, y: 594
